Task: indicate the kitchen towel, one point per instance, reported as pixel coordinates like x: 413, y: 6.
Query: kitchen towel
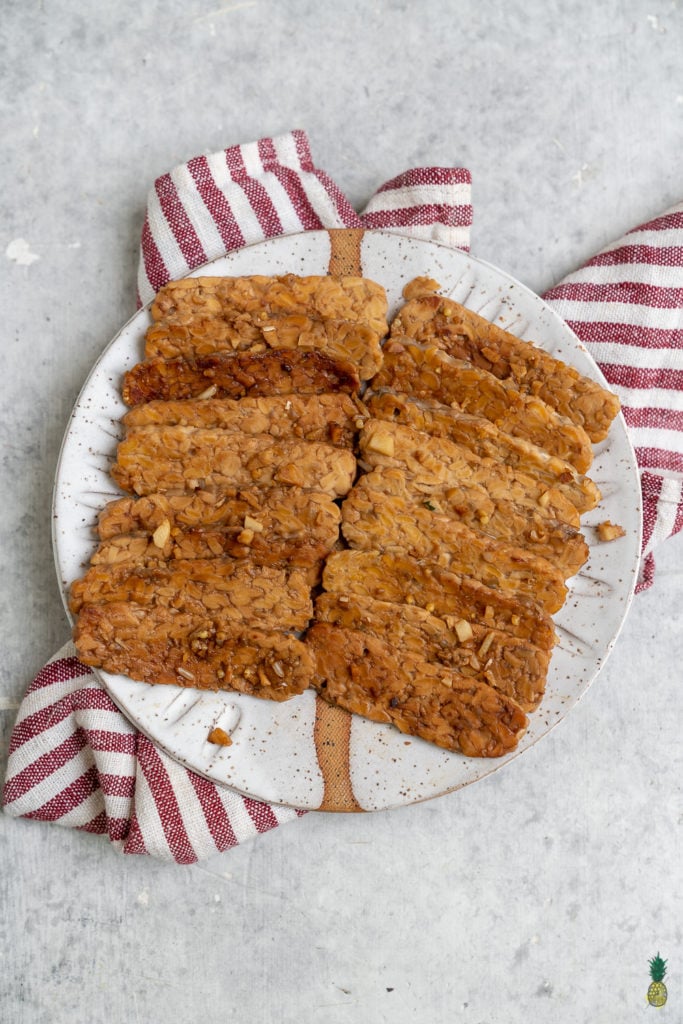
x: 74, y: 758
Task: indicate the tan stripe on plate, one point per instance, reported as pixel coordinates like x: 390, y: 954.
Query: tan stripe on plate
x: 332, y: 730
x: 331, y: 735
x: 345, y: 251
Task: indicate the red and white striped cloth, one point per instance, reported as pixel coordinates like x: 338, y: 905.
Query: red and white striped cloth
x: 74, y: 758
x: 626, y: 306
x: 245, y: 194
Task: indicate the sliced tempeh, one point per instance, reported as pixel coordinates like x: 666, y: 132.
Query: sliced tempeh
x: 284, y: 514
x: 183, y: 458
x: 375, y: 521
x: 483, y: 438
x: 297, y: 532
x: 361, y: 674
x: 206, y: 653
x: 499, y: 519
x: 434, y: 319
x: 427, y: 372
x: 239, y: 375
x: 249, y: 595
x: 343, y: 316
x: 436, y: 462
x: 401, y: 579
x: 355, y: 342
x: 515, y: 667
x: 212, y: 543
x: 259, y: 297
x: 332, y: 418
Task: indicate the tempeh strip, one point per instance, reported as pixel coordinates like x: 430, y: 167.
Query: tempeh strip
x: 398, y: 578
x: 183, y: 458
x: 249, y: 595
x: 355, y: 342
x: 259, y: 297
x: 483, y: 438
x: 514, y: 667
x: 239, y: 375
x: 435, y: 463
x: 434, y: 319
x: 141, y: 549
x: 361, y: 674
x: 375, y: 521
x: 279, y: 532
x: 499, y: 519
x: 206, y: 653
x: 284, y: 514
x: 332, y: 418
x: 427, y: 372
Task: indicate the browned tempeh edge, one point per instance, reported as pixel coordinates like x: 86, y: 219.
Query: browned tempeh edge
x: 402, y: 579
x: 484, y: 439
x: 197, y: 651
x: 436, y: 319
x: 515, y: 667
x: 239, y: 375
x: 361, y: 674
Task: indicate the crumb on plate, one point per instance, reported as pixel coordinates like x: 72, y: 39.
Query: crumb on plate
x: 220, y: 737
x: 610, y: 531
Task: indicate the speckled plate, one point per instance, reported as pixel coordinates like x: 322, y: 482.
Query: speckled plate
x: 303, y: 753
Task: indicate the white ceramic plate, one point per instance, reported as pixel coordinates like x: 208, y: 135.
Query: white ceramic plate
x: 273, y: 755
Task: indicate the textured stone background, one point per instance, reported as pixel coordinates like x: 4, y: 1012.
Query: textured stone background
x: 538, y: 894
